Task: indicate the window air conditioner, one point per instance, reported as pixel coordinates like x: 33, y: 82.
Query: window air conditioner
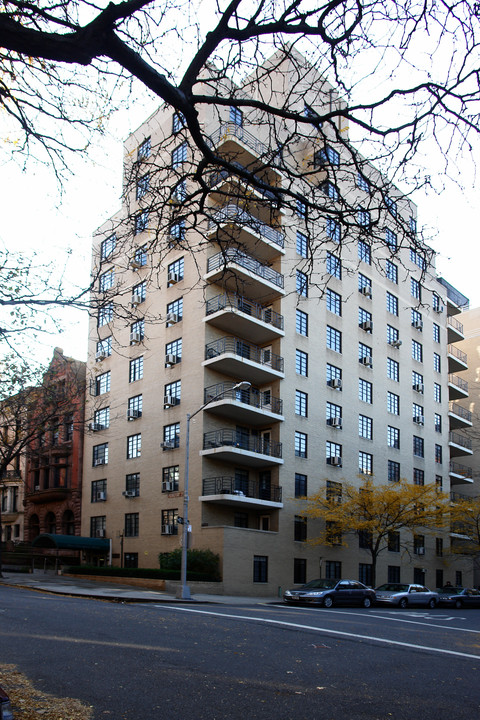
x: 419, y: 420
x: 172, y: 318
x: 335, y: 422
x: 421, y: 551
x: 367, y: 325
x: 167, y: 486
x: 37, y: 488
x: 395, y: 343
x: 170, y: 359
x: 334, y: 460
x: 129, y: 493
x: 419, y: 387
x: 136, y: 300
x: 133, y: 414
x: 366, y: 360
x: 417, y: 324
x: 169, y: 445
x: 100, y: 355
x: 169, y: 401
x: 100, y: 533
x: 167, y: 529
x: 135, y: 337
x: 335, y: 383
x: 438, y: 309
x: 101, y: 496
x: 135, y: 264
x: 98, y: 461
x: 173, y: 278
x: 366, y: 290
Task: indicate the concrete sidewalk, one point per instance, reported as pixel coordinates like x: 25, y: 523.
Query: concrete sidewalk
x: 115, y: 592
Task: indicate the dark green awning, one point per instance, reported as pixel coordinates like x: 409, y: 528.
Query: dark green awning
x: 71, y: 542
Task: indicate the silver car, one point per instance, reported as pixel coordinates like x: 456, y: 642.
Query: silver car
x: 404, y: 595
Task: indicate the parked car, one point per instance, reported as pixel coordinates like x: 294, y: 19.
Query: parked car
x: 459, y: 597
x: 404, y: 595
x: 5, y: 707
x: 331, y: 592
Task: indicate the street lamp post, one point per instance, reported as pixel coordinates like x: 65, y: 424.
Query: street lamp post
x: 184, y: 590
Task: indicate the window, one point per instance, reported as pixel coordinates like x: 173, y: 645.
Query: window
x: 260, y: 569
x: 436, y: 333
x: 106, y: 280
x: 364, y: 252
x: 107, y: 247
x: 393, y: 471
x: 130, y: 560
x: 333, y: 492
x: 302, y: 244
x: 418, y: 259
x: 392, y: 335
x: 301, y: 209
x: 139, y: 293
x: 333, y: 450
x: 301, y: 402
x: 300, y: 444
x: 438, y: 454
x: 236, y: 115
x: 141, y: 221
x: 176, y: 233
x: 364, y: 219
x: 334, y: 339
x: 436, y: 362
x: 333, y: 534
x: 132, y: 484
x: 393, y: 437
x: 179, y: 192
x: 391, y: 206
x: 393, y: 403
x: 334, y: 230
x: 365, y: 320
x: 301, y: 363
x: 419, y: 544
x: 102, y: 383
x: 364, y: 285
x: 301, y: 323
x: 299, y: 571
x: 302, y: 284
x: 101, y: 418
x: 98, y: 491
x: 136, y: 369
x: 417, y: 412
x: 416, y: 319
x: 363, y: 183
x: 144, y: 149
x: 333, y: 411
x: 365, y: 427
x: 178, y: 122
x: 329, y: 189
x: 300, y: 528
x: 131, y: 524
x: 413, y: 225
x: 104, y: 347
x: 300, y: 485
x: 134, y: 446
x: 393, y: 370
x: 365, y: 391
x: 170, y: 478
x: 391, y: 240
x: 392, y: 304
x: 174, y: 311
x: 393, y: 541
x: 171, y: 434
x: 439, y: 547
x: 100, y: 454
x: 393, y: 574
x: 417, y: 351
x: 179, y: 155
x: 458, y: 578
x: 98, y: 526
x: 173, y: 390
x: 333, y: 373
x: 418, y: 476
x: 143, y: 186
x: 326, y: 156
x: 437, y: 392
x: 137, y: 331
x: 391, y: 272
x: 105, y: 314
x: 169, y: 522
x: 365, y: 463
x: 334, y: 265
x: 365, y: 573
x: 418, y: 446
x: 415, y: 289
x: 174, y: 348
x: 175, y: 271
x: 140, y: 257
x: 334, y: 302
x: 417, y: 381
x: 365, y: 354
x: 333, y: 570
x: 438, y: 423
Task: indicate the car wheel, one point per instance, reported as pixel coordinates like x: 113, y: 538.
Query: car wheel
x: 458, y: 604
x: 403, y: 603
x: 328, y: 602
x: 432, y: 603
x: 366, y: 602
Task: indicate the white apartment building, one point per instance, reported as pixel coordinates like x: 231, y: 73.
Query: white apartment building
x: 348, y: 350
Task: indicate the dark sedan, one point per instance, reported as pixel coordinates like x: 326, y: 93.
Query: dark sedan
x: 5, y: 707
x: 331, y: 592
x: 459, y: 597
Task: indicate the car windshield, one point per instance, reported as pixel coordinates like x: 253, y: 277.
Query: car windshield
x: 450, y: 591
x: 392, y: 587
x: 320, y: 584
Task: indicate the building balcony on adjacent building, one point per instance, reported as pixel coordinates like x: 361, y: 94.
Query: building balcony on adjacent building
x: 460, y: 474
x: 457, y: 360
x: 458, y: 497
x: 456, y: 301
x: 454, y: 330
x: 239, y: 359
x: 251, y: 406
x: 457, y: 387
x: 241, y: 493
x: 459, y: 444
x: 459, y: 416
x: 52, y: 494
x: 247, y: 318
x: 233, y: 267
x: 230, y: 445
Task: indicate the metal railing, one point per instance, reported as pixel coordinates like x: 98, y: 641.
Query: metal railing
x: 224, y: 174
x: 248, y: 307
x: 459, y: 382
x: 222, y: 259
x: 231, y: 129
x: 453, y: 323
x: 234, y: 213
x: 460, y: 411
x: 225, y: 485
x: 461, y: 440
x: 452, y: 350
x: 459, y: 496
x: 226, y: 437
x: 245, y: 350
x: 252, y: 397
x: 454, y: 295
x: 463, y: 470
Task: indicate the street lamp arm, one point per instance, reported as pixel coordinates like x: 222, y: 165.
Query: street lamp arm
x: 241, y: 385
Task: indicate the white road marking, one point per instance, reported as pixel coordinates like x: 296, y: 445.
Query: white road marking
x: 329, y: 631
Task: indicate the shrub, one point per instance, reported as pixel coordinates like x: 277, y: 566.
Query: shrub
x: 198, y: 561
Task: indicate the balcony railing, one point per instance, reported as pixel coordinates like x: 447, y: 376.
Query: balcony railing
x: 224, y: 174
x: 461, y: 440
x: 452, y: 350
x: 458, y: 382
x: 463, y: 470
x: 252, y: 397
x: 231, y: 129
x: 222, y: 259
x: 235, y: 214
x: 460, y: 411
x: 232, y: 438
x: 243, y: 488
x: 459, y: 496
x: 244, y: 350
x: 249, y: 307
x: 453, y: 323
x: 454, y: 295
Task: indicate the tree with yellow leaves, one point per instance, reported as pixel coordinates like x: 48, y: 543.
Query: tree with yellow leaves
x: 465, y: 525
x: 377, y: 513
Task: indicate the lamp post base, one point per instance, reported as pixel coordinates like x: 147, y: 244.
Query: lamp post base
x: 183, y: 593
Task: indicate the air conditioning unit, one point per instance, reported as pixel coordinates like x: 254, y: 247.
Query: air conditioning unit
x: 98, y: 461
x: 168, y: 529
x: 395, y: 343
x: 419, y: 420
x: 95, y: 427
x: 335, y: 422
x: 135, y: 264
x: 136, y: 300
x: 366, y: 360
x: 133, y: 414
x: 167, y: 445
x: 173, y: 278
x: 100, y: 355
x: 334, y: 460
x: 366, y: 290
x: 420, y: 551
x: 37, y: 488
x: 438, y: 309
x: 419, y: 387
x: 129, y: 493
x: 172, y: 318
x: 168, y: 486
x: 170, y: 359
x: 417, y: 324
x: 169, y: 401
x: 335, y: 383
x: 367, y: 325
x: 100, y: 533
x: 135, y: 337
x: 101, y: 496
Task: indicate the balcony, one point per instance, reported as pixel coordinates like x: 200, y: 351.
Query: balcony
x: 457, y: 360
x: 239, y: 359
x: 459, y: 416
x: 460, y: 474
x: 244, y: 494
x: 455, y: 299
x: 459, y: 444
x: 229, y: 136
x: 233, y: 268
x: 245, y: 317
x: 229, y: 445
x: 53, y: 494
x: 222, y: 177
x: 233, y: 225
x: 458, y: 497
x: 454, y: 330
x: 457, y: 388
x: 249, y: 407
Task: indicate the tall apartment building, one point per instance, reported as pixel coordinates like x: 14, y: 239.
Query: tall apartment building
x: 347, y: 353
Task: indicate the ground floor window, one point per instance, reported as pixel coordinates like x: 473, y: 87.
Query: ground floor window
x: 393, y: 574
x: 333, y: 570
x: 458, y: 578
x: 260, y: 568
x: 299, y: 570
x: 439, y: 578
x: 365, y: 573
x: 130, y: 560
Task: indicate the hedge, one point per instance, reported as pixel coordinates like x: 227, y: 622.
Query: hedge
x: 151, y: 573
